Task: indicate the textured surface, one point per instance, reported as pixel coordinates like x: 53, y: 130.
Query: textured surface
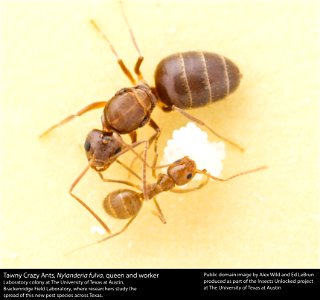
x: 54, y: 63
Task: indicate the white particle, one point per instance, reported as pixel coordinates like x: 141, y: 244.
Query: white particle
x: 97, y: 229
x: 191, y: 141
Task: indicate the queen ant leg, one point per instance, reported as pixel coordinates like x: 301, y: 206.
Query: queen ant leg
x: 201, y: 123
x: 154, y: 138
x: 154, y: 125
x: 133, y: 136
x: 91, y: 106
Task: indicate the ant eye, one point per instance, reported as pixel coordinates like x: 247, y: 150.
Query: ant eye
x: 117, y: 150
x: 87, y: 146
x: 189, y: 176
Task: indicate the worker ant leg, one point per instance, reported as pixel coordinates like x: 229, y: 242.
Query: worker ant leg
x: 159, y: 212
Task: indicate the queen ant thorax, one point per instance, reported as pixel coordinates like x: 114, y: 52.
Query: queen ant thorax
x: 182, y: 81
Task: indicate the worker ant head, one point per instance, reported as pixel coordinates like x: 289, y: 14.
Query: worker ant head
x: 101, y: 148
x: 182, y: 171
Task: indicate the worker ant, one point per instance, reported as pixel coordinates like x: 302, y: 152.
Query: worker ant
x: 126, y: 203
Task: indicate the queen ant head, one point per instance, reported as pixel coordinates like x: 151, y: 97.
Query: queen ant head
x: 101, y: 148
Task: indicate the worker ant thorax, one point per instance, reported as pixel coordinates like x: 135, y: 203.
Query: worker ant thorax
x: 179, y: 173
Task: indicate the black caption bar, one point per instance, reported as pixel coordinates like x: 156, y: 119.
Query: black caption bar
x: 100, y: 283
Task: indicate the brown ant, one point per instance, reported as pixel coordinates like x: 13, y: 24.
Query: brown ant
x: 182, y: 80
x: 126, y: 203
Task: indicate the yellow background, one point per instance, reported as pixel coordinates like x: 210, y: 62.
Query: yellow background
x: 54, y: 63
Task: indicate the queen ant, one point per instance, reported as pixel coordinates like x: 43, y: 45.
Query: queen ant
x: 182, y: 81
